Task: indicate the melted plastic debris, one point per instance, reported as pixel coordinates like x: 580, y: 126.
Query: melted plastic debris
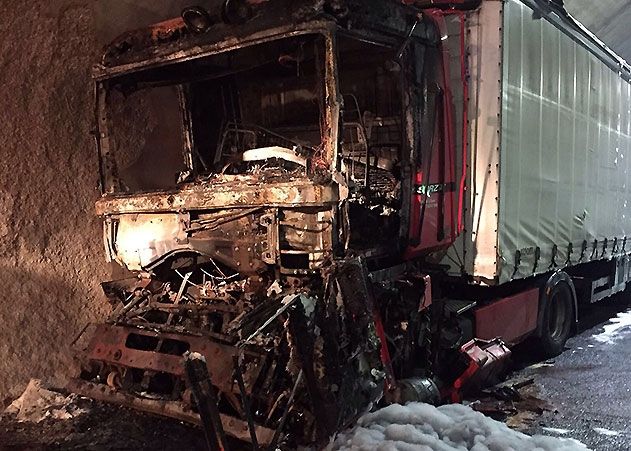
x: 454, y: 427
x: 616, y: 328
x: 38, y: 403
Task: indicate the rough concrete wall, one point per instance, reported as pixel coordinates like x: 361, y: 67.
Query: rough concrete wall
x: 51, y: 257
x: 116, y: 16
x: 51, y: 253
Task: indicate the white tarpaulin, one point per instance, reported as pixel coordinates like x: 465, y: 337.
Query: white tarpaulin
x: 550, y: 148
x: 566, y: 148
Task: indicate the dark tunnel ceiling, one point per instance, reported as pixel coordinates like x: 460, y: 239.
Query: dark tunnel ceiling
x: 608, y: 19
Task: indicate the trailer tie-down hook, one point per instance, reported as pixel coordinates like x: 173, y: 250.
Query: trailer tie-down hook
x: 517, y: 263
x: 570, y: 251
x: 583, y: 250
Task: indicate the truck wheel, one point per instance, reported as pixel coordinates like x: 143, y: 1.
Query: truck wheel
x: 557, y: 320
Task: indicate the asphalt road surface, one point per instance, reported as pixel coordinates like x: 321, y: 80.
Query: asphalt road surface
x: 589, y: 384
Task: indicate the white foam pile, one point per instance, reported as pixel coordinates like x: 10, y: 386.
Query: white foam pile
x: 607, y: 432
x: 455, y: 427
x: 38, y: 403
x: 616, y: 328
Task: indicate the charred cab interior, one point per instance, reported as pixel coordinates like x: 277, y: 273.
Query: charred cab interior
x: 252, y: 110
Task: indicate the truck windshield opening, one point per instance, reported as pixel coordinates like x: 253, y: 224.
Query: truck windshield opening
x: 252, y: 110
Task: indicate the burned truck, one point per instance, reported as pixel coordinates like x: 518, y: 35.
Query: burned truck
x: 339, y: 203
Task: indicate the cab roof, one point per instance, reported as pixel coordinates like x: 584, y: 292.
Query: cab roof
x: 172, y: 40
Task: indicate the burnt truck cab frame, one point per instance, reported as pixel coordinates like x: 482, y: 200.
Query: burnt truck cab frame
x: 257, y: 240
x: 338, y: 169
x: 178, y: 209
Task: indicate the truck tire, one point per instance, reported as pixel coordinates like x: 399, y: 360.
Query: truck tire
x: 557, y: 319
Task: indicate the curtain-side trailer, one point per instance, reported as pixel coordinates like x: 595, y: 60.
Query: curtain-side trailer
x: 546, y: 166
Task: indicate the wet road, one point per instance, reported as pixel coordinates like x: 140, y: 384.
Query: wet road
x: 589, y: 384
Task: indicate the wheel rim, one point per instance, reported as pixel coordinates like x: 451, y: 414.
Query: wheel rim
x: 557, y: 319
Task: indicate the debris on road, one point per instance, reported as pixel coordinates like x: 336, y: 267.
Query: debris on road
x: 44, y: 419
x: 514, y: 402
x: 38, y: 403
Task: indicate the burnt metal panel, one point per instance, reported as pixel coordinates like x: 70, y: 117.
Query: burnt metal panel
x: 171, y: 40
x: 209, y: 196
x: 108, y: 345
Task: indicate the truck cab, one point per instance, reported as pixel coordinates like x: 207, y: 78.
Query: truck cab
x: 256, y: 165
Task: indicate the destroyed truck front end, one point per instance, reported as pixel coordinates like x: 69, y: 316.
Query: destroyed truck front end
x: 256, y: 221
x: 317, y: 335
x: 244, y: 239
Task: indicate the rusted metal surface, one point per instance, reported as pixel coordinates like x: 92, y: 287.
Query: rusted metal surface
x: 110, y: 344
x: 154, y: 325
x: 240, y: 193
x: 233, y: 426
x: 245, y: 240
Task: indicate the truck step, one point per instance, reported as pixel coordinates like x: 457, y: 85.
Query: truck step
x: 456, y: 307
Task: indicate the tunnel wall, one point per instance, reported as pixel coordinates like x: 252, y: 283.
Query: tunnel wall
x: 51, y: 252
x: 51, y: 258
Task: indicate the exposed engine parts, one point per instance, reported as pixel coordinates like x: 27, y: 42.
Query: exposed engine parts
x: 273, y: 251
x: 275, y: 333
